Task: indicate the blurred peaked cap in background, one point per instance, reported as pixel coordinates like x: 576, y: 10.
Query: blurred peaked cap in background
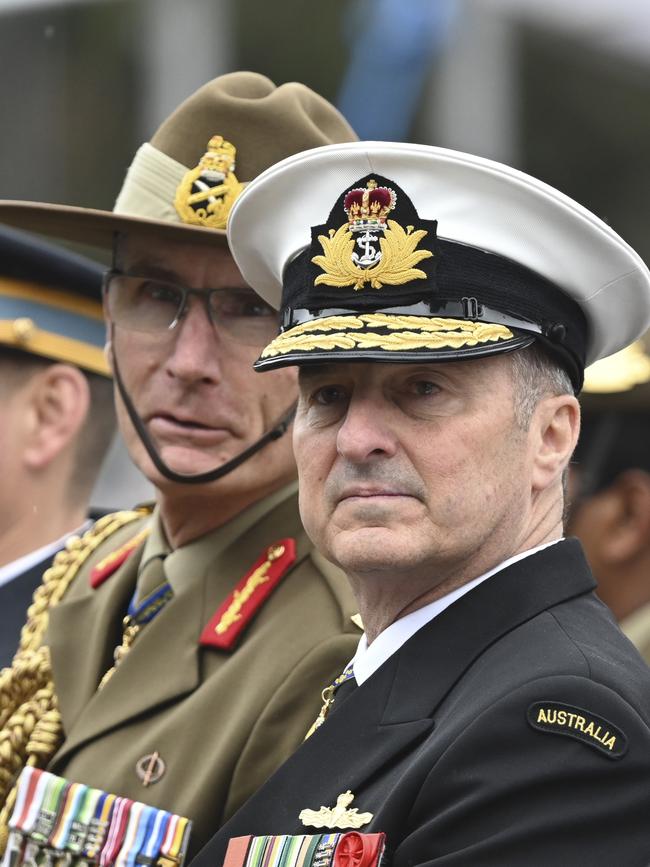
x: 472, y: 258
x: 50, y: 302
x: 259, y: 124
x: 621, y: 381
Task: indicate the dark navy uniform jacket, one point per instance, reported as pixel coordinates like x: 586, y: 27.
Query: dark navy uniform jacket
x: 512, y: 729
x: 15, y: 599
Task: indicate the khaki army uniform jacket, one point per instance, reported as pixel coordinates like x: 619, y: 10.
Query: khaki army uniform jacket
x: 637, y: 628
x: 218, y: 721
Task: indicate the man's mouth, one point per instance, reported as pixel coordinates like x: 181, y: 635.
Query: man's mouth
x: 165, y: 425
x: 370, y: 492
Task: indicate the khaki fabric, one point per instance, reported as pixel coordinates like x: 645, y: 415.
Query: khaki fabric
x: 221, y: 721
x: 637, y: 629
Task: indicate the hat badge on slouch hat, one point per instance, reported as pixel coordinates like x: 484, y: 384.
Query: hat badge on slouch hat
x: 207, y: 193
x: 444, y: 256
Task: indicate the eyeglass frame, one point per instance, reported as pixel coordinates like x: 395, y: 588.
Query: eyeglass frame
x: 183, y: 306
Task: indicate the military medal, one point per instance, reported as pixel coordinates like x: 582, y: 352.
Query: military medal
x: 352, y: 849
x: 116, y: 832
x: 31, y: 789
x: 56, y: 823
x: 153, y: 838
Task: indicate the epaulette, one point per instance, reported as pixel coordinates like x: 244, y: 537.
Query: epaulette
x: 236, y: 612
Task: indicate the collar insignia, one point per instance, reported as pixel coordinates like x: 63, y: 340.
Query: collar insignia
x: 237, y: 611
x: 370, y: 248
x: 112, y: 562
x: 336, y: 817
x: 207, y: 193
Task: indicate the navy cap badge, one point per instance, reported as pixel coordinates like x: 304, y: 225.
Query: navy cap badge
x: 387, y: 253
x: 207, y: 192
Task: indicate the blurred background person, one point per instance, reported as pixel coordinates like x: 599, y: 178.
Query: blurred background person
x: 56, y: 413
x: 610, y: 486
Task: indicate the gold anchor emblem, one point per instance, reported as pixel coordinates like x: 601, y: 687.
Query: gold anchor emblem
x: 336, y: 817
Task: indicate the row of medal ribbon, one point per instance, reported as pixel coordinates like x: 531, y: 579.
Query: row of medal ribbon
x: 351, y: 849
x: 56, y: 823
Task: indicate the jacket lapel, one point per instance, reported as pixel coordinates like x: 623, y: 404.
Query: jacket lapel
x: 82, y: 635
x: 163, y: 663
x: 395, y: 708
x: 165, y: 652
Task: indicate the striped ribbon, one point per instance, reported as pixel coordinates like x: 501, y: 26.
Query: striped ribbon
x: 81, y: 823
x: 154, y: 840
x: 116, y: 832
x: 61, y: 823
x: 73, y: 801
x: 135, y: 813
x: 142, y: 831
x: 297, y: 850
x: 175, y: 841
x: 99, y: 825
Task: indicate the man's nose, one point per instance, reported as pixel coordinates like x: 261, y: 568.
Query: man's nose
x: 365, y: 433
x: 195, y: 354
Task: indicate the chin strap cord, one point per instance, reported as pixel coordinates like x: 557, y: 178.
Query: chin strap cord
x: 277, y: 431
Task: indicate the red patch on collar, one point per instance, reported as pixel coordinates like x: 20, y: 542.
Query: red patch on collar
x: 236, y: 612
x: 112, y: 562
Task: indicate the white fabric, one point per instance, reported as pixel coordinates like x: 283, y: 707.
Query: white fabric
x: 23, y: 564
x: 476, y: 201
x: 368, y: 658
x: 150, y: 186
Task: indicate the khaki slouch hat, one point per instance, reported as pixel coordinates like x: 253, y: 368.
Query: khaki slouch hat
x: 223, y: 135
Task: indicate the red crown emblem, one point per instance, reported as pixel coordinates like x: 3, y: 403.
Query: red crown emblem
x: 368, y: 209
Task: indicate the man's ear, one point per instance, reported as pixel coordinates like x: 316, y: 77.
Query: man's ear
x: 554, y: 428
x: 58, y: 406
x: 108, y: 350
x: 628, y: 527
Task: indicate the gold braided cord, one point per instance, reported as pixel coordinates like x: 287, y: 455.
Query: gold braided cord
x: 30, y: 723
x: 426, y: 333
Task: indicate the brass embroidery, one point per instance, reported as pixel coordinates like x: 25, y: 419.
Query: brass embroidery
x: 396, y: 266
x: 336, y: 817
x: 207, y: 193
x: 240, y: 597
x: 432, y: 333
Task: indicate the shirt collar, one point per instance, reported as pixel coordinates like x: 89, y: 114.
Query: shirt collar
x: 369, y: 658
x: 184, y: 562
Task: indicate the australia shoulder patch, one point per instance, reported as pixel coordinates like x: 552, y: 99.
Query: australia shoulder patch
x: 554, y: 717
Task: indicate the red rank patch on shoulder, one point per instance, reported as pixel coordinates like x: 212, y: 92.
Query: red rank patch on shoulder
x: 236, y: 612
x: 112, y: 562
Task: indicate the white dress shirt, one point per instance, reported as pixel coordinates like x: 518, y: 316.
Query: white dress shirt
x: 368, y: 658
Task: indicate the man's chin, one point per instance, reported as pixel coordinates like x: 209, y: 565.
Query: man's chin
x: 185, y: 462
x: 366, y: 549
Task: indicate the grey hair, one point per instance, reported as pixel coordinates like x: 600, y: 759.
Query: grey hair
x: 535, y: 376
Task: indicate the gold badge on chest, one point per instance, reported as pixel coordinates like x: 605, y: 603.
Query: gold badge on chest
x: 207, y: 193
x: 336, y: 817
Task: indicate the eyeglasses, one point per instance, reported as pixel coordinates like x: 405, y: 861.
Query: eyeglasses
x: 151, y: 305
